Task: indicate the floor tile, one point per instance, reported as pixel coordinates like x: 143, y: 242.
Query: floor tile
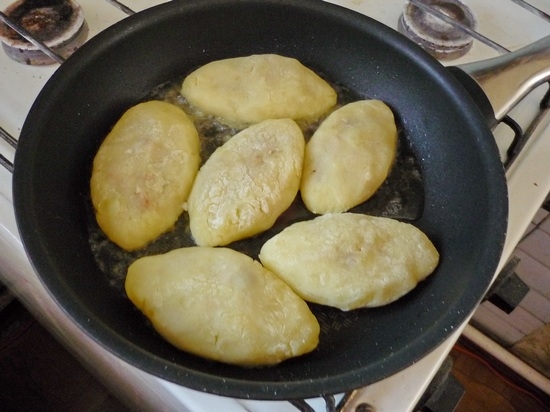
x: 538, y: 305
x: 537, y: 244
x: 533, y: 273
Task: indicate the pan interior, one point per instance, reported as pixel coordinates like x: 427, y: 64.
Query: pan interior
x: 465, y: 205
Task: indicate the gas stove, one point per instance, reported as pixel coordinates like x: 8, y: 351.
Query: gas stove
x: 498, y: 26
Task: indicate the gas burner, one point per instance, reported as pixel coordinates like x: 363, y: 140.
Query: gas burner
x: 57, y: 24
x: 441, y: 39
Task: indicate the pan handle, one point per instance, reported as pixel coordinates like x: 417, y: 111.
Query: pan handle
x: 506, y: 80
x: 13, y: 143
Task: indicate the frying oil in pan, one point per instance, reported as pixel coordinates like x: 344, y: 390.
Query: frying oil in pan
x: 401, y: 196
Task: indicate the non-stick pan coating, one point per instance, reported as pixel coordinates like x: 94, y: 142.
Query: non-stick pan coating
x: 465, y: 204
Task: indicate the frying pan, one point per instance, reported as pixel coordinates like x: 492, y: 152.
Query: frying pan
x: 464, y: 197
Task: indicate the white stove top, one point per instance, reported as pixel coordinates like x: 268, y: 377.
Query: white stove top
x: 528, y: 180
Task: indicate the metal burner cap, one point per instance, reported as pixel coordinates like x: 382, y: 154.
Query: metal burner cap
x: 59, y: 24
x: 441, y: 39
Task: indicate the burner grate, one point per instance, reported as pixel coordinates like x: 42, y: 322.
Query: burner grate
x: 13, y: 143
x: 533, y: 9
x: 445, y: 29
x: 459, y: 17
x: 42, y: 33
x: 40, y: 45
x: 446, y: 11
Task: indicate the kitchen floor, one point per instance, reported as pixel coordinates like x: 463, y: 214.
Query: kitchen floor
x: 523, y: 327
x: 37, y: 374
x: 490, y: 386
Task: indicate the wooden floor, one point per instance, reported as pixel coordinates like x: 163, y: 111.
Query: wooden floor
x: 490, y: 386
x: 37, y: 374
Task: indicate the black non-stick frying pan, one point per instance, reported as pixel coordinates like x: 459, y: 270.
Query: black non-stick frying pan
x: 463, y: 208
